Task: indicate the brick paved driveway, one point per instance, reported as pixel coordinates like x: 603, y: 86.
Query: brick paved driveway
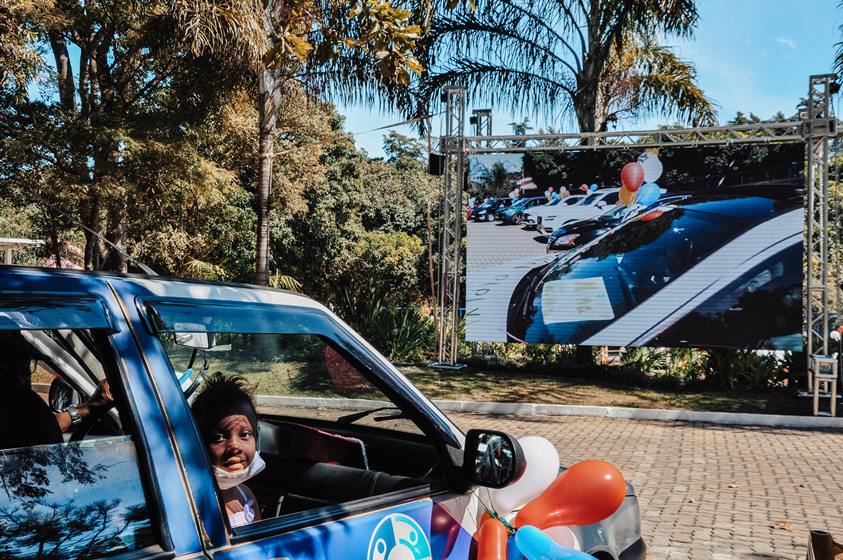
x: 708, y: 491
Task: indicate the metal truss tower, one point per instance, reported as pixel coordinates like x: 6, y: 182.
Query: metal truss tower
x: 451, y: 224
x: 819, y: 128
x: 481, y: 119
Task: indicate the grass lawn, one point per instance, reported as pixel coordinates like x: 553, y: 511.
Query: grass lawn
x: 487, y: 385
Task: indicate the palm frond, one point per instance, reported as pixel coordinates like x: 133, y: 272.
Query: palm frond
x: 204, y: 270
x: 284, y: 282
x: 649, y: 79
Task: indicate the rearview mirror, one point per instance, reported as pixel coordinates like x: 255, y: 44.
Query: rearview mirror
x: 492, y: 459
x: 196, y: 337
x: 195, y: 340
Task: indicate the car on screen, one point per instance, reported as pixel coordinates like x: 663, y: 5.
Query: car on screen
x: 721, y: 269
x: 515, y: 213
x: 532, y: 218
x: 575, y: 234
x: 592, y: 206
x: 357, y: 462
x: 486, y: 211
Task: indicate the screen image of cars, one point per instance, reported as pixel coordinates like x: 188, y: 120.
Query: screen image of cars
x: 532, y: 217
x: 486, y: 211
x: 592, y: 206
x: 515, y: 213
x: 374, y: 470
x: 678, y: 274
x: 574, y: 234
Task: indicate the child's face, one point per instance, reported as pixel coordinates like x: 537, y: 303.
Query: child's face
x: 232, y: 443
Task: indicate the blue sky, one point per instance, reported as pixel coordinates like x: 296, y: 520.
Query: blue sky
x: 751, y: 56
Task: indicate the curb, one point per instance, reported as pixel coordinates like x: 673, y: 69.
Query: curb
x: 529, y: 410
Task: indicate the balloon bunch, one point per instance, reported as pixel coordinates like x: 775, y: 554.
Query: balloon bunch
x: 585, y: 493
x: 639, y: 180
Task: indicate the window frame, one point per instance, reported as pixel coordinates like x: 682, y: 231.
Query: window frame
x: 342, y: 339
x: 129, y: 421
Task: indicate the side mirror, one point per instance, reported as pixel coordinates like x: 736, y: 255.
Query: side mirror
x: 601, y: 204
x: 492, y: 459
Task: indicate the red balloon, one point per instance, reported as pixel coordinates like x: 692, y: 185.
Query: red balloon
x: 586, y: 493
x: 632, y: 176
x: 491, y: 540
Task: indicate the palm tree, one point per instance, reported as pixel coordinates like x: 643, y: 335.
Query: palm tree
x: 586, y: 61
x: 838, y: 52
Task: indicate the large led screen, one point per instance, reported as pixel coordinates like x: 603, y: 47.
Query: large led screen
x: 673, y: 247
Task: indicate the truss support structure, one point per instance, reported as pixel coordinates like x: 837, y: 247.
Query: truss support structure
x: 450, y: 227
x: 481, y: 120
x: 820, y: 127
x: 816, y: 128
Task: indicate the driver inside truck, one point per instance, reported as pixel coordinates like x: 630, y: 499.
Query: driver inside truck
x: 25, y: 418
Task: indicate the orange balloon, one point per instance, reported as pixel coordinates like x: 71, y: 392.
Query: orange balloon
x: 491, y: 540
x: 627, y: 197
x: 586, y: 493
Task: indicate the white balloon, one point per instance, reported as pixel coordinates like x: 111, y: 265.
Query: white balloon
x: 542, y: 468
x: 563, y: 536
x: 652, y: 166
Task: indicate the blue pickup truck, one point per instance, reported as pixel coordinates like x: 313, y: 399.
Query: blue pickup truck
x: 359, y: 463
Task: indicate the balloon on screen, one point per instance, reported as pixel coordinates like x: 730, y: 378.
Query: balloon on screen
x: 648, y: 194
x: 632, y: 176
x: 542, y: 468
x: 536, y: 545
x: 652, y: 166
x: 586, y: 493
x: 593, y: 187
x: 626, y: 196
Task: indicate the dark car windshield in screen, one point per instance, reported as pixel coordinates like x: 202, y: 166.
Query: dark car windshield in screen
x: 630, y: 264
x: 760, y: 309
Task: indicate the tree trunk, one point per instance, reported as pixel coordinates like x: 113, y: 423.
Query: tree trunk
x: 67, y: 87
x: 92, y: 220
x: 117, y: 234
x: 267, y: 108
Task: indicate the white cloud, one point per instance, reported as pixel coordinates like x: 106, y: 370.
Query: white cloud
x: 786, y: 41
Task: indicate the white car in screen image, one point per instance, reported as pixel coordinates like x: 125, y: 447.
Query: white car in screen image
x: 532, y: 217
x: 721, y: 269
x: 594, y: 204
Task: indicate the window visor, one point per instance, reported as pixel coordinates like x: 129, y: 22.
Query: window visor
x: 226, y: 317
x: 53, y: 311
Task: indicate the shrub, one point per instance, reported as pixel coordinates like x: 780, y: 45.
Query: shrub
x: 742, y: 369
x: 400, y: 333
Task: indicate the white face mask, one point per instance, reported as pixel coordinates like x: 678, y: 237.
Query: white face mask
x: 226, y: 480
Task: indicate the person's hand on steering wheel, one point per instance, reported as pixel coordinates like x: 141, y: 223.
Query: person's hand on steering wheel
x: 101, y: 399
x: 93, y: 409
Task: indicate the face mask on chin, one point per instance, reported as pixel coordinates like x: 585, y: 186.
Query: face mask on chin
x: 226, y: 480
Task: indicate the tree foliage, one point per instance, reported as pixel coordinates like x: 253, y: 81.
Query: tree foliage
x: 592, y: 62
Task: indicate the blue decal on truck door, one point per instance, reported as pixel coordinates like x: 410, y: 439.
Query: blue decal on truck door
x: 398, y: 537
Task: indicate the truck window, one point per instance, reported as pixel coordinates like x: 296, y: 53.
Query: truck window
x: 63, y: 495
x: 329, y: 430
